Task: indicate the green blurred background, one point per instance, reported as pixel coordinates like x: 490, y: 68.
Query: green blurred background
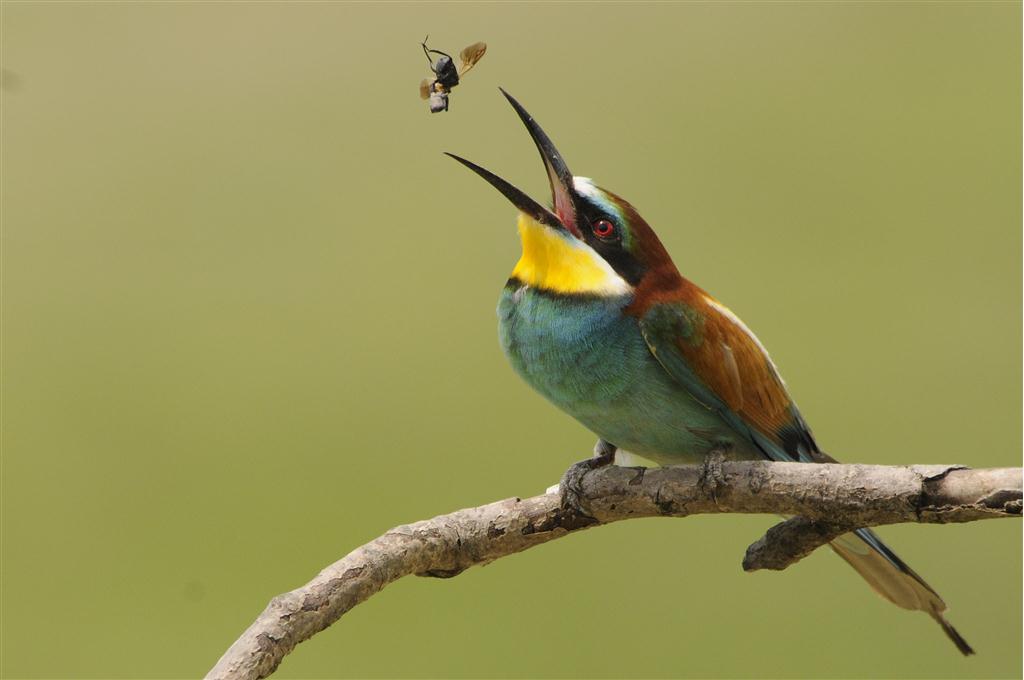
x: 249, y: 322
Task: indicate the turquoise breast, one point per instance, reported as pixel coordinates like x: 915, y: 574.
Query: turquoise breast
x: 589, y: 359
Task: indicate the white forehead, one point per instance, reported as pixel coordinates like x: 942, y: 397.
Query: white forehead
x: 585, y: 186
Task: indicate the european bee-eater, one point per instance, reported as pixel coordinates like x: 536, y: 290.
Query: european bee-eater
x: 597, y: 318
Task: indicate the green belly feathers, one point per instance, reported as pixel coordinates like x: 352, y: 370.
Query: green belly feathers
x: 590, y: 360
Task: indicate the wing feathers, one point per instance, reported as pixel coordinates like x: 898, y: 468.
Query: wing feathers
x: 723, y: 365
x: 735, y: 383
x: 716, y: 358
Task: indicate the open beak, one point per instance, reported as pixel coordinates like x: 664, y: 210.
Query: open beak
x: 562, y: 216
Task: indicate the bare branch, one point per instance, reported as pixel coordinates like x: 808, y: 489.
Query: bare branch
x: 947, y: 497
x: 827, y: 500
x: 790, y: 542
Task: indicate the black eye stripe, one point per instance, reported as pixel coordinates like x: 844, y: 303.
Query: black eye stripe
x: 618, y: 248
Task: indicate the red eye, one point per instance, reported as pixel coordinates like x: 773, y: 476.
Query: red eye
x: 603, y: 229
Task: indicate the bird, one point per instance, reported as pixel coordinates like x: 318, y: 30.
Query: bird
x: 598, y: 319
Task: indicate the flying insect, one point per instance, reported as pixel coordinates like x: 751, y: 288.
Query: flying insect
x: 446, y: 75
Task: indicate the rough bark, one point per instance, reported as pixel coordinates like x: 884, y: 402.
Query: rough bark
x: 824, y: 500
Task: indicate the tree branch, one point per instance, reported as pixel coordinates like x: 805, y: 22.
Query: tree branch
x: 825, y: 499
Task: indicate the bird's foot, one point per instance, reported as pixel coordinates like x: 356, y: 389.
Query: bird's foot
x: 571, y: 486
x: 711, y: 476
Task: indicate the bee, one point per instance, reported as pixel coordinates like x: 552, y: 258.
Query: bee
x: 446, y: 76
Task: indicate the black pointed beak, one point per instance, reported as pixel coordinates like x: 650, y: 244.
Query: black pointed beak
x: 520, y: 200
x: 559, y: 176
x: 563, y: 217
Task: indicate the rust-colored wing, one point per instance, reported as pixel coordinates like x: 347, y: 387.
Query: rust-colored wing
x: 711, y: 353
x: 731, y: 360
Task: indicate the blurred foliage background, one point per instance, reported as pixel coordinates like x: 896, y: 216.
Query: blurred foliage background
x: 248, y: 322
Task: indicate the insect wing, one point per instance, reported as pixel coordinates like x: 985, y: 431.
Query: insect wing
x: 425, y: 87
x: 471, y: 55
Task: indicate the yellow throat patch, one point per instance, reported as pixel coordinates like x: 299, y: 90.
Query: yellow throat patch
x: 562, y: 264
